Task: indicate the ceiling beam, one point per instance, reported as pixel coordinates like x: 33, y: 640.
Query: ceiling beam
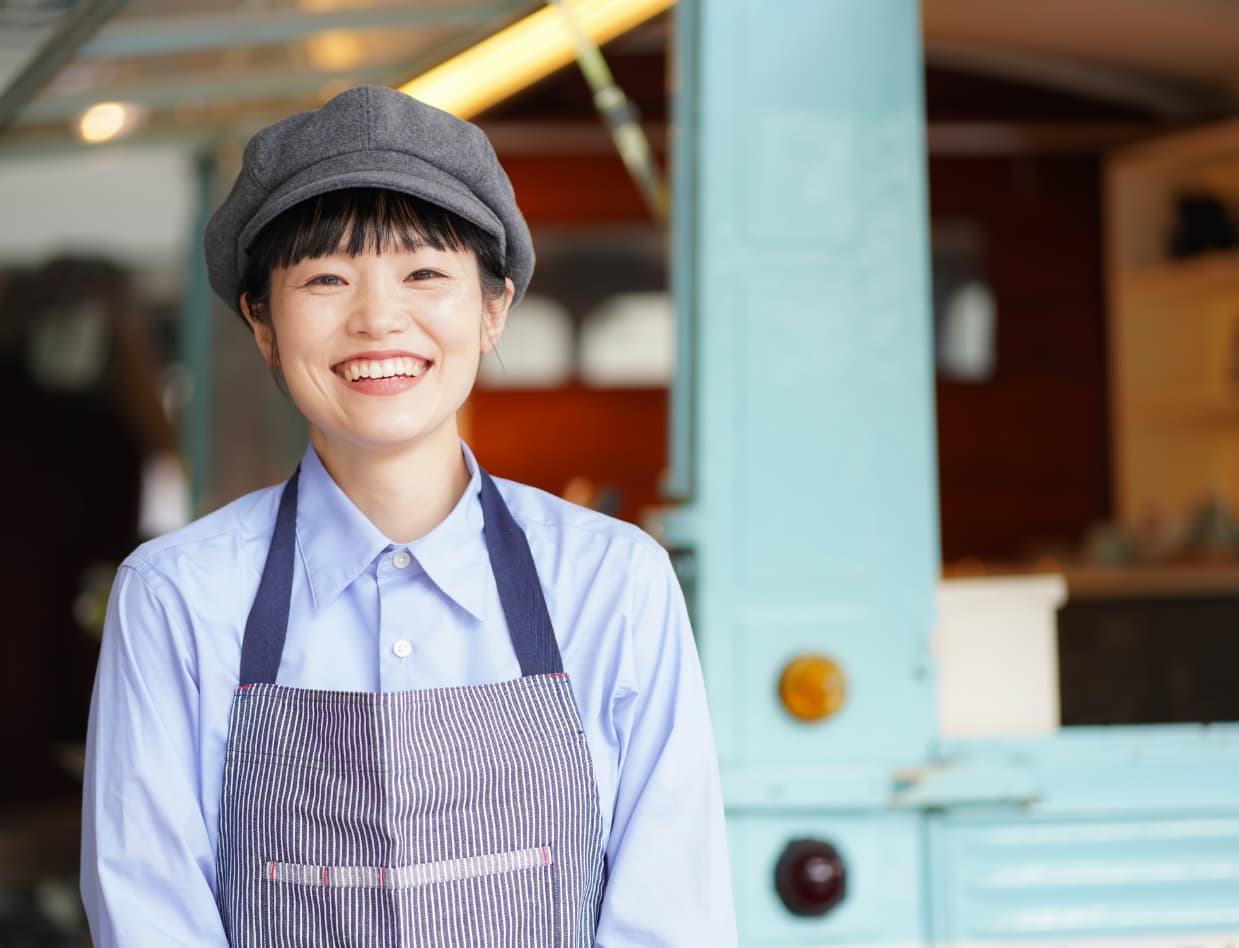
x: 75, y: 29
x: 166, y: 35
x: 987, y: 139
x: 574, y: 137
x: 1165, y: 98
x: 197, y: 90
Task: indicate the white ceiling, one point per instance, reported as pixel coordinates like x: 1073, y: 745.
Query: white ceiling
x: 194, y: 63
x: 207, y: 59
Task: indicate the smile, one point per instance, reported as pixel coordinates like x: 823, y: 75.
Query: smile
x: 399, y: 367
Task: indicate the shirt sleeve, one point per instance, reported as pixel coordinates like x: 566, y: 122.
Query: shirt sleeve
x: 148, y: 869
x: 669, y: 881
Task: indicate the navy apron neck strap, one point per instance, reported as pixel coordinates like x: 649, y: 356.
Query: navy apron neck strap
x: 520, y: 592
x: 267, y: 625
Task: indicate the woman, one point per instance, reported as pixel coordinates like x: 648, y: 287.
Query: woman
x: 394, y: 702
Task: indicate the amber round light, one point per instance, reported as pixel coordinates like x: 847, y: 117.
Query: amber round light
x: 810, y: 877
x: 812, y: 687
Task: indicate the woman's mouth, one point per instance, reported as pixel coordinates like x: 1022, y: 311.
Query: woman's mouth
x: 398, y: 367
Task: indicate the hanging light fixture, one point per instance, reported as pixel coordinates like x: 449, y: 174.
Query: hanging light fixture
x: 105, y: 121
x: 525, y: 52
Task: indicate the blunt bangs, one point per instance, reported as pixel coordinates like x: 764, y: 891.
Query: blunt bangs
x: 359, y: 221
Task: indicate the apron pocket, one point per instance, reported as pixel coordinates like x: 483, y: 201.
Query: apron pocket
x: 496, y: 900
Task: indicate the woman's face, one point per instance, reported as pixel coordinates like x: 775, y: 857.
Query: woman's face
x: 379, y: 351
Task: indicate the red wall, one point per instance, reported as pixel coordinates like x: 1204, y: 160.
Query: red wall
x: 1023, y: 458
x: 617, y: 438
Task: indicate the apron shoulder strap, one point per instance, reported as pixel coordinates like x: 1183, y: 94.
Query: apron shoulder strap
x: 267, y: 625
x: 520, y: 592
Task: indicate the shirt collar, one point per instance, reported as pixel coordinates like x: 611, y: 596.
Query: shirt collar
x: 338, y: 542
x: 454, y: 553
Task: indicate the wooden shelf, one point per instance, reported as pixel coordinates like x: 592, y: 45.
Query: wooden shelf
x: 1217, y: 270
x: 1153, y: 581
x: 1139, y: 581
x: 1207, y: 412
x: 1173, y: 328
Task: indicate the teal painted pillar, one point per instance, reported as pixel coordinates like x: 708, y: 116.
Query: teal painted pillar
x: 804, y: 440
x: 197, y: 330
x: 239, y: 432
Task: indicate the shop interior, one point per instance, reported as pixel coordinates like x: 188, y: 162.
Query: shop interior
x: 1083, y: 183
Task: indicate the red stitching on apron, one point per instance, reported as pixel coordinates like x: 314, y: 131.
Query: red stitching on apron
x: 272, y: 872
x: 382, y: 878
x: 546, y: 859
x: 558, y: 675
x: 324, y: 875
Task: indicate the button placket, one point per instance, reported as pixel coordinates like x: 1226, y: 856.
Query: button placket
x: 401, y: 560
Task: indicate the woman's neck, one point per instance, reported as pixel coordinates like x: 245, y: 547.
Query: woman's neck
x: 406, y: 492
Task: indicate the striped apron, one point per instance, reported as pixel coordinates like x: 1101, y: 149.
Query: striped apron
x: 447, y: 817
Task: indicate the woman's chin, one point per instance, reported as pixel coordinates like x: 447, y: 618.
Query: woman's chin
x: 379, y: 437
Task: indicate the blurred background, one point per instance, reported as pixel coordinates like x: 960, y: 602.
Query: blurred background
x: 1064, y: 185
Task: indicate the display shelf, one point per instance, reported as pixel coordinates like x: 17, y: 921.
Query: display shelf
x: 1217, y: 270
x: 1173, y: 328
x: 1208, y: 412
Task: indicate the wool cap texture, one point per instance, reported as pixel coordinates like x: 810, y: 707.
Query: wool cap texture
x: 368, y: 137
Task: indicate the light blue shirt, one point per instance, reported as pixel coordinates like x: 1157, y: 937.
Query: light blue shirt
x: 364, y: 617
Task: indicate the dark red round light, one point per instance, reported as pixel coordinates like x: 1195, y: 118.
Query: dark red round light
x: 810, y: 877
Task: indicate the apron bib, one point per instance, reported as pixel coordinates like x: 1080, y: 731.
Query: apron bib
x: 446, y: 818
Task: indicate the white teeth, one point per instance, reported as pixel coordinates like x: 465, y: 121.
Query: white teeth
x: 383, y: 368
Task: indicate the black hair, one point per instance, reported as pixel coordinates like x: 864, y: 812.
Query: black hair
x: 364, y: 220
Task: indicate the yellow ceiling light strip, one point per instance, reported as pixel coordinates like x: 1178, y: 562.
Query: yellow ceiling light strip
x: 523, y: 53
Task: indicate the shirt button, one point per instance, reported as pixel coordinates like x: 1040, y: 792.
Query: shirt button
x: 402, y: 649
x: 401, y: 560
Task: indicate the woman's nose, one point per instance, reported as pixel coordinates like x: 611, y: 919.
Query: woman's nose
x: 377, y: 312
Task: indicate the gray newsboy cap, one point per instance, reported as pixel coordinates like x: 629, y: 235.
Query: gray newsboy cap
x: 368, y: 137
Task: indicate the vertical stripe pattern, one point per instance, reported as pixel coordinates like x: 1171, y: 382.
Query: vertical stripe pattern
x: 447, y: 818
x: 428, y: 819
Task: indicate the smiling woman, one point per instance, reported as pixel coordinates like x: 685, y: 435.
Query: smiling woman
x: 395, y: 701
x: 332, y: 281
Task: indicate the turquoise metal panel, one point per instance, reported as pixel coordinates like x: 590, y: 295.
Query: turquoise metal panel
x: 813, y: 511
x: 1086, y: 770
x: 1018, y: 878
x: 803, y: 433
x: 1122, y: 832
x: 883, y: 855
x: 888, y: 676
x: 804, y: 441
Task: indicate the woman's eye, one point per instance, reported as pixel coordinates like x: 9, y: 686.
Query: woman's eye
x: 325, y: 279
x: 424, y: 274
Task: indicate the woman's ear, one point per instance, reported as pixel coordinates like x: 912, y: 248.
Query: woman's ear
x: 495, y: 316
x: 260, y: 325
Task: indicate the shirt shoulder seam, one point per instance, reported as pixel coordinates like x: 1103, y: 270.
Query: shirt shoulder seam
x: 629, y: 532
x: 146, y: 559
x: 147, y: 575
